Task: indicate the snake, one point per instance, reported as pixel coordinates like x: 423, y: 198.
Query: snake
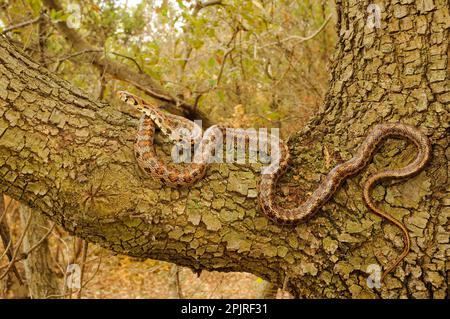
x: 170, y: 124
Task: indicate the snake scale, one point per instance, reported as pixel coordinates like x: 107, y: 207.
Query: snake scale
x: 175, y: 177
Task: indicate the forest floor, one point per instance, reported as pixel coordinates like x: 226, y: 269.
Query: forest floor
x: 124, y: 277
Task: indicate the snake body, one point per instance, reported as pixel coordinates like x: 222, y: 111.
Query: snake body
x: 173, y: 176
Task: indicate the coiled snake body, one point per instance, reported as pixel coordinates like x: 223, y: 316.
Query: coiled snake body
x: 173, y: 176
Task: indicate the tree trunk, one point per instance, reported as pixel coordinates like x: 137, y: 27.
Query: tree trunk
x: 72, y: 159
x: 42, y: 281
x: 12, y: 286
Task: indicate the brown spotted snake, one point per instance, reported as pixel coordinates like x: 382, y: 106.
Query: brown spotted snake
x: 174, y: 176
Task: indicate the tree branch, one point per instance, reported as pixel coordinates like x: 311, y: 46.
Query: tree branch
x: 131, y: 59
x: 122, y: 72
x: 201, y: 5
x: 127, y: 213
x: 22, y: 24
x: 5, y: 235
x: 11, y: 264
x: 197, y: 8
x: 299, y: 39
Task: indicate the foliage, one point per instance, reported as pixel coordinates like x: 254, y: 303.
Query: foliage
x: 237, y: 53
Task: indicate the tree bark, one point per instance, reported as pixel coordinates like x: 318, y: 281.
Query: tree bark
x: 12, y: 285
x: 42, y: 281
x: 72, y: 159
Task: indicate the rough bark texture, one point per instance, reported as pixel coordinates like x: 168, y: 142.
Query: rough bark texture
x: 72, y: 159
x: 42, y: 281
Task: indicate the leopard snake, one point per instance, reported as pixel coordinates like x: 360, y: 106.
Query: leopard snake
x: 175, y: 177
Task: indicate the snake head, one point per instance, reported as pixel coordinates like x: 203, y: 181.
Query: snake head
x: 127, y: 97
x: 132, y: 100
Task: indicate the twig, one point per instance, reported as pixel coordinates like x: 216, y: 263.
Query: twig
x: 225, y: 56
x: 197, y: 8
x: 7, y: 248
x: 201, y: 5
x: 6, y: 209
x: 300, y: 38
x: 66, y: 247
x: 5, y: 235
x: 19, y: 243
x: 175, y: 281
x: 73, y: 55
x: 179, y: 291
x: 77, y: 249
x: 82, y: 286
x: 285, y: 281
x: 40, y: 241
x: 26, y: 254
x: 95, y: 272
x: 22, y: 24
x: 122, y: 71
x: 131, y: 59
x: 83, y: 263
x: 222, y: 66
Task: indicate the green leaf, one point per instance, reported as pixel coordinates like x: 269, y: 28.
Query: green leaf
x: 211, y: 62
x: 220, y: 95
x: 35, y: 5
x: 274, y: 116
x: 181, y: 4
x: 56, y: 16
x: 196, y: 43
